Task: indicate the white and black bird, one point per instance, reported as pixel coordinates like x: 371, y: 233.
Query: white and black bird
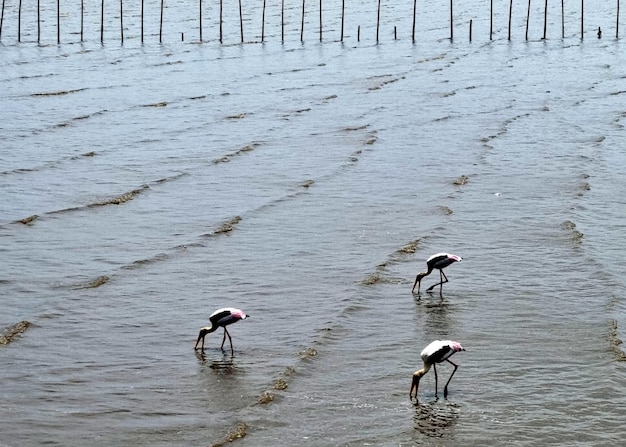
x: 221, y: 318
x: 436, y: 352
x: 438, y: 261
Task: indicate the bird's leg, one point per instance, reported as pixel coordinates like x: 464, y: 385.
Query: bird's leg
x: 224, y: 339
x: 435, y: 368
x: 442, y: 277
x: 445, y: 390
x: 232, y: 351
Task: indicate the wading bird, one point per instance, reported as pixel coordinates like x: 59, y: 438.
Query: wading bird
x: 434, y: 353
x: 221, y: 318
x: 439, y: 261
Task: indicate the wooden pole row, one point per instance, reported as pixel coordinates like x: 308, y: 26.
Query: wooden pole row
x: 378, y: 18
x: 2, y: 18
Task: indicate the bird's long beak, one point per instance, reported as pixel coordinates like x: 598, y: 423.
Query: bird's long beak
x: 414, y: 384
x: 200, y: 337
x: 417, y: 283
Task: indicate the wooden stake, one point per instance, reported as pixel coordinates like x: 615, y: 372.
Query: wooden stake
x: 510, y: 13
x: 19, y: 22
x: 221, y: 21
x: 320, y: 20
x: 616, y: 24
x: 142, y: 2
x: 414, y: 17
x: 282, y: 21
x: 101, y: 21
x: 491, y: 22
x: 161, y: 24
x: 470, y: 31
x: 545, y: 21
x: 2, y: 18
x: 38, y: 21
x: 302, y: 27
x: 527, y: 19
x: 582, y: 19
x: 122, y: 20
x: 563, y: 19
x: 378, y: 21
x: 343, y: 11
x: 358, y: 33
x: 58, y: 21
x: 200, y: 18
x: 82, y: 18
x: 241, y: 21
x: 263, y: 23
x: 451, y: 22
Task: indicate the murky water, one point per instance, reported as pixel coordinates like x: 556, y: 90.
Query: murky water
x: 145, y: 186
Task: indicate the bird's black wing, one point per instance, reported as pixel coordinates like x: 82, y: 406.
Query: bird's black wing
x: 441, y: 354
x: 440, y: 261
x: 215, y: 319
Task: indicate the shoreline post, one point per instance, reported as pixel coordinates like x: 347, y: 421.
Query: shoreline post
x: 19, y: 22
x: 122, y: 20
x: 302, y: 27
x: 510, y: 14
x: 414, y: 15
x: 241, y: 21
x: 527, y: 19
x: 161, y: 24
x: 451, y: 22
x: 582, y: 19
x: 320, y: 20
x: 102, y: 22
x: 2, y: 18
x: 545, y: 21
x: 263, y: 23
x: 82, y: 18
x: 491, y: 22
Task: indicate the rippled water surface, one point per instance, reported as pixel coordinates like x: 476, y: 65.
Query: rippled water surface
x: 146, y: 185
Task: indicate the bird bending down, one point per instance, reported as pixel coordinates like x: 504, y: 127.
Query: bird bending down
x: 434, y: 353
x: 221, y: 318
x: 439, y: 261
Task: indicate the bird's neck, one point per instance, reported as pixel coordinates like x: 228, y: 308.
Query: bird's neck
x: 421, y: 372
x: 420, y: 275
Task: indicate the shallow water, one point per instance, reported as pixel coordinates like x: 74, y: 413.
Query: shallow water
x: 306, y: 183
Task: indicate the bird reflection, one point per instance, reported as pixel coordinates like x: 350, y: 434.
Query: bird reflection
x: 435, y: 420
x: 225, y: 366
x: 438, y: 314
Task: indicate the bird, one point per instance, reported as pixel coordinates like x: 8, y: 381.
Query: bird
x: 221, y: 318
x: 438, y: 261
x: 436, y: 352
